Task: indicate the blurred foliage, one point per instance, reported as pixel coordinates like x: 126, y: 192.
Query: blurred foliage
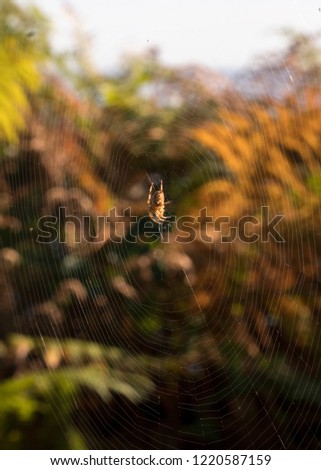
x: 153, y: 344
x: 23, y: 45
x: 33, y: 401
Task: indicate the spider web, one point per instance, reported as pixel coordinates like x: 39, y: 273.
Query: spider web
x: 154, y: 343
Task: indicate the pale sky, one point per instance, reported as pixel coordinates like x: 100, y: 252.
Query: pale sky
x: 216, y: 33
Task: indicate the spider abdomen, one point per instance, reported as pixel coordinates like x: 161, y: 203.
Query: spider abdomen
x: 156, y: 202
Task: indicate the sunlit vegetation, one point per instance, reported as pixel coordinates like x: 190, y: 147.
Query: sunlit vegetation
x: 156, y: 345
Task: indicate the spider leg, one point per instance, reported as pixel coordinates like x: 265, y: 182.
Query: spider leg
x: 154, y: 218
x: 150, y: 193
x: 164, y: 218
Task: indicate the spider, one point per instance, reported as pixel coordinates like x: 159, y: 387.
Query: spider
x: 156, y: 202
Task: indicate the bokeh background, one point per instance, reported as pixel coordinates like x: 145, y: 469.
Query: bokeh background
x: 145, y: 344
